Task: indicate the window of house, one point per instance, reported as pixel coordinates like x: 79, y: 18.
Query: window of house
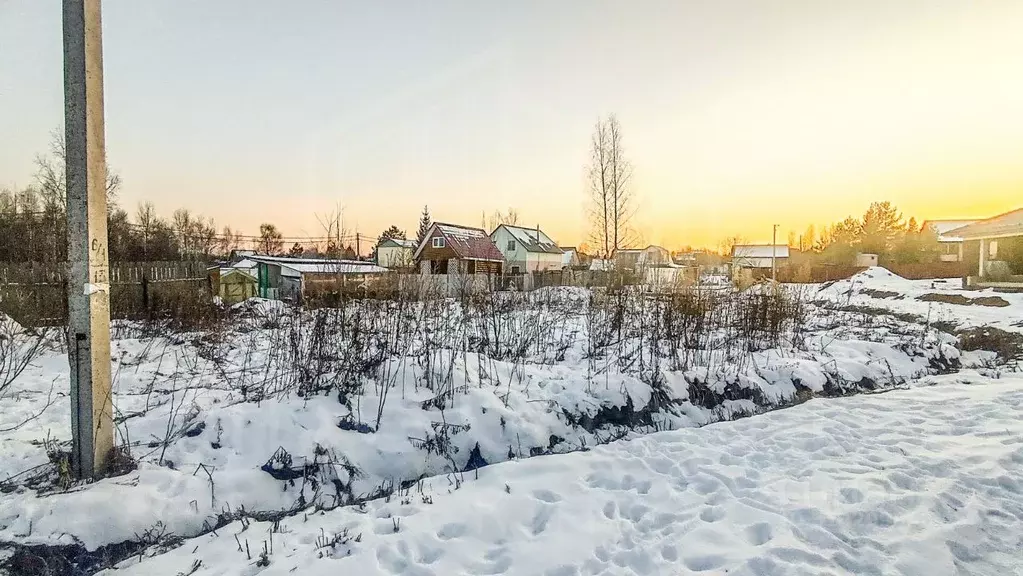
x: 992, y: 249
x: 438, y: 242
x: 511, y: 245
x: 515, y: 270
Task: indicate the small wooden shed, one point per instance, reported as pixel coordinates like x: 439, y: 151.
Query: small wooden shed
x: 237, y: 286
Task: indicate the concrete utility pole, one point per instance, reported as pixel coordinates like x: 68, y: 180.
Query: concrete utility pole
x: 774, y: 254
x: 92, y: 426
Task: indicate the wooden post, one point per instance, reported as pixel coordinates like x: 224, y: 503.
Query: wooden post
x: 774, y: 253
x: 983, y: 257
x: 88, y: 272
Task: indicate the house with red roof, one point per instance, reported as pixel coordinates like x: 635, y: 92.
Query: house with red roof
x: 453, y: 249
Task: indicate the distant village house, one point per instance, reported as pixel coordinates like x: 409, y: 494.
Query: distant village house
x: 454, y: 249
x: 527, y: 249
x: 570, y: 258
x: 293, y: 279
x: 994, y: 248
x: 950, y: 243
x: 635, y: 258
x: 758, y: 258
x: 395, y: 253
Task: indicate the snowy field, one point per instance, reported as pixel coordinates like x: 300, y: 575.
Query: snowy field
x: 382, y: 408
x: 925, y: 481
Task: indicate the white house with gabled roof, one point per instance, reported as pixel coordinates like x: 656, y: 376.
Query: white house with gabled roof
x: 527, y: 249
x: 759, y: 256
x: 396, y: 253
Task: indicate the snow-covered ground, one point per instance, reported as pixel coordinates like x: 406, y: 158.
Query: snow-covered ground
x: 272, y: 420
x: 878, y: 288
x: 924, y: 481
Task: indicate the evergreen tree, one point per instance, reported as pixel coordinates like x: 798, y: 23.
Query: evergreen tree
x: 424, y: 225
x: 392, y: 233
x: 882, y: 227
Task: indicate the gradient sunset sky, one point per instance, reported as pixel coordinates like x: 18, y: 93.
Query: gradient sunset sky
x: 736, y: 114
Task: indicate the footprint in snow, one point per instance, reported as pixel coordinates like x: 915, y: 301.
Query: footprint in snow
x: 704, y: 563
x: 452, y: 531
x: 547, y: 496
x: 759, y: 534
x: 712, y: 514
x: 852, y: 496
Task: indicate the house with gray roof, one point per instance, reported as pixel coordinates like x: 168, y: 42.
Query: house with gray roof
x: 950, y: 244
x: 527, y: 249
x: 994, y: 247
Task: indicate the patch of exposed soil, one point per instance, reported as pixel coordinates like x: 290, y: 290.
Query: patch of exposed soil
x: 1008, y: 345
x: 960, y: 300
x: 882, y: 294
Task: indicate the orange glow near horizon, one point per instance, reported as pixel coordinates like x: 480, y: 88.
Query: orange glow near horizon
x: 736, y: 116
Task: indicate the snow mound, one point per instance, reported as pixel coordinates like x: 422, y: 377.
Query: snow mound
x: 877, y: 273
x: 878, y: 278
x: 922, y: 481
x: 931, y: 301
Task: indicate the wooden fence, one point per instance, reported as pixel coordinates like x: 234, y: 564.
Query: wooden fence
x: 35, y: 294
x: 828, y: 273
x: 927, y: 271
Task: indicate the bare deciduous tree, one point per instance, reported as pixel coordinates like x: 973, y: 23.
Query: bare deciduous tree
x: 333, y: 225
x: 726, y: 246
x: 51, y: 175
x: 18, y: 349
x: 612, y: 202
x: 510, y: 217
x: 206, y: 241
x: 270, y: 239
x: 182, y: 222
x: 230, y: 241
x: 145, y: 222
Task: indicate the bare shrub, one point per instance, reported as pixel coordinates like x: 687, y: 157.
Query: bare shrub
x: 18, y: 348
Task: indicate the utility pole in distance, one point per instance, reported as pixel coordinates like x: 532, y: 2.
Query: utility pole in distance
x: 92, y: 426
x: 774, y: 254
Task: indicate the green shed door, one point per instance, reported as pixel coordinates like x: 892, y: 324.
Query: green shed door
x: 264, y: 280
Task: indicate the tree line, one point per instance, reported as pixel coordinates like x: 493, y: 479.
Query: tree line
x: 33, y: 226
x: 882, y: 230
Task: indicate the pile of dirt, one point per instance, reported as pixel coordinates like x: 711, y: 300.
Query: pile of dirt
x: 960, y: 300
x: 1007, y: 345
x: 881, y: 294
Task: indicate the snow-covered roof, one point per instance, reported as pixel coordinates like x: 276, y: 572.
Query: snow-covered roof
x: 466, y: 242
x: 299, y: 266
x: 652, y: 247
x: 532, y: 239
x: 245, y: 264
x: 1001, y: 226
x: 225, y: 272
x: 943, y: 227
x: 340, y: 267
x: 759, y: 251
x: 456, y: 231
